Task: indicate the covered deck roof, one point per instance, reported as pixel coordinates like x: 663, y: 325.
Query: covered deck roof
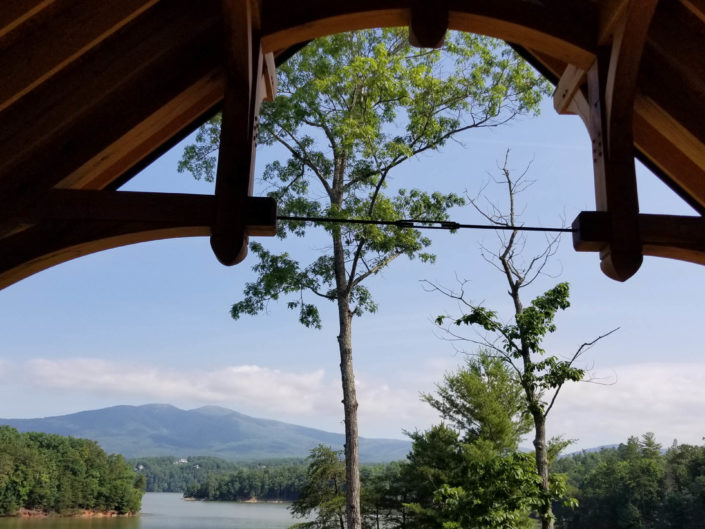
x: 92, y: 92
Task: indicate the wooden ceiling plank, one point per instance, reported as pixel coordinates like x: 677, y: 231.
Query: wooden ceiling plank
x: 549, y: 66
x: 611, y: 13
x: 691, y: 145
x: 660, y: 82
x: 697, y: 7
x: 673, y: 63
x: 669, y: 147
x: 86, y: 84
x: 63, y: 156
x: 678, y: 38
x: 57, y: 144
x: 15, y: 13
x: 58, y: 41
x: 114, y: 160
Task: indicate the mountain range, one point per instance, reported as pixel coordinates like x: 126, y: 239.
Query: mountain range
x: 162, y: 429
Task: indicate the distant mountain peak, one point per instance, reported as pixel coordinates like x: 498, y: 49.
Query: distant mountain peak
x: 165, y: 430
x: 214, y: 410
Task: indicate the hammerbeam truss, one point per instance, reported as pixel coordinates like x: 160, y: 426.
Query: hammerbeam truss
x: 91, y: 92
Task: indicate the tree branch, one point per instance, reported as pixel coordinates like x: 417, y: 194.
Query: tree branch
x: 584, y: 347
x: 305, y: 158
x: 380, y: 264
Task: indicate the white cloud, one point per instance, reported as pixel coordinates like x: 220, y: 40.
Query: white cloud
x: 311, y: 397
x: 665, y: 398
x: 245, y: 387
x: 388, y: 410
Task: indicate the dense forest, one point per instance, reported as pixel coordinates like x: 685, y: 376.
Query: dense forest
x: 170, y: 474
x: 262, y: 483
x: 211, y: 478
x: 636, y: 485
x: 64, y: 475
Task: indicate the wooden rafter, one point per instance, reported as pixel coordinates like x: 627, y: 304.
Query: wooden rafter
x: 428, y: 23
x: 669, y: 135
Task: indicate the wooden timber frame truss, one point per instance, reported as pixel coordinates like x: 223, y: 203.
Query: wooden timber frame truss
x: 91, y: 92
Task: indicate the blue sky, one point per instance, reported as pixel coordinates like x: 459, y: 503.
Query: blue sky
x: 150, y: 323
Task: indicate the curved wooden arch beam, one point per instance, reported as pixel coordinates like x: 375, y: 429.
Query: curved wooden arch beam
x: 564, y: 30
x: 250, y: 78
x: 65, y: 224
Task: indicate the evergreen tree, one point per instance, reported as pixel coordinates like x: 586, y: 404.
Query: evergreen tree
x: 472, y: 476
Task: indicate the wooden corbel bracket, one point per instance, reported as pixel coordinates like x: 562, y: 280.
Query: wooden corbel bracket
x: 250, y: 80
x: 611, y: 91
x: 428, y: 24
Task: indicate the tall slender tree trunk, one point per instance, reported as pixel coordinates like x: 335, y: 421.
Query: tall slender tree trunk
x: 540, y: 446
x: 537, y: 414
x: 542, y: 467
x: 352, y: 471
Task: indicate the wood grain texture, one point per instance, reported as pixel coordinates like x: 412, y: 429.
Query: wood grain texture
x: 552, y: 26
x: 72, y: 223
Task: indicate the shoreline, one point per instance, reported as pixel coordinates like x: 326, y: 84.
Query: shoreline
x: 80, y: 513
x: 251, y: 500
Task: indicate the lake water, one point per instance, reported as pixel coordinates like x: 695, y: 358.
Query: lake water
x: 171, y: 511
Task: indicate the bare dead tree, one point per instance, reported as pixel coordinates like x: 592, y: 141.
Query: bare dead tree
x: 518, y: 342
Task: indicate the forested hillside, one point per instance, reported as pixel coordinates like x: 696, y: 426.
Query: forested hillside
x: 64, y: 475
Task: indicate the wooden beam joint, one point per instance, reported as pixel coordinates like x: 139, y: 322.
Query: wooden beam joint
x: 670, y: 236
x: 251, y: 79
x: 611, y: 91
